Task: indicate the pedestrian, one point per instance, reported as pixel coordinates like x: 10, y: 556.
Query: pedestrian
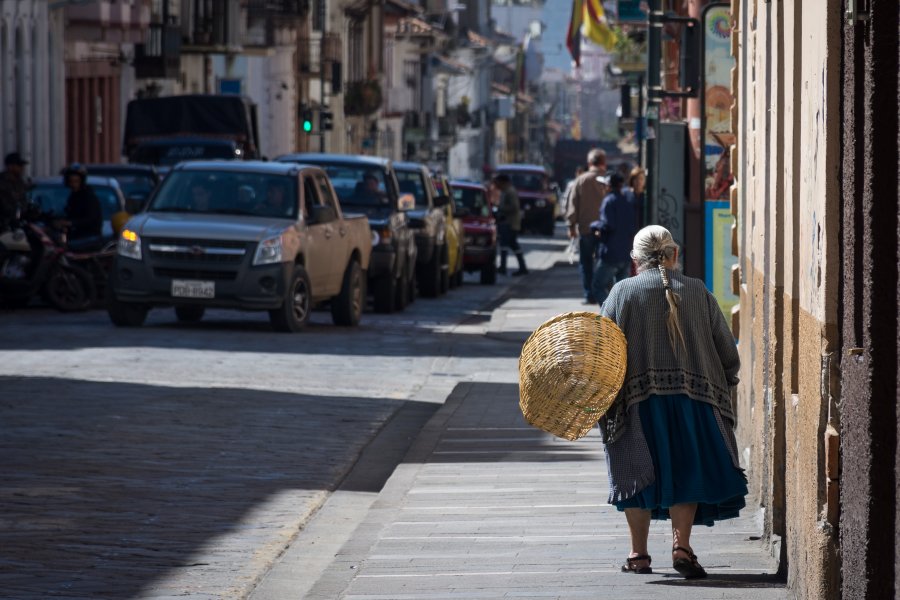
x: 614, y: 231
x: 582, y: 208
x: 509, y: 223
x: 670, y: 446
x: 84, y: 215
x: 636, y: 185
x: 13, y: 189
x: 567, y: 194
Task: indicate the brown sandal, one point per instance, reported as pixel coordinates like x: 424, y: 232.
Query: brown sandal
x: 689, y: 568
x: 631, y: 567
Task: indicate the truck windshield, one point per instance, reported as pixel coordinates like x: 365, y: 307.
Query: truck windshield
x: 533, y: 181
x: 170, y: 155
x: 358, y: 185
x: 229, y: 193
x: 472, y: 199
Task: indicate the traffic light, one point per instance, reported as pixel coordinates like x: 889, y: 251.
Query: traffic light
x: 306, y: 119
x: 325, y: 120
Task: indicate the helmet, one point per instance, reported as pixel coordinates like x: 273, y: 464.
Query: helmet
x: 75, y: 169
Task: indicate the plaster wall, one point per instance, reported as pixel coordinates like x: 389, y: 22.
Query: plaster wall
x: 789, y: 201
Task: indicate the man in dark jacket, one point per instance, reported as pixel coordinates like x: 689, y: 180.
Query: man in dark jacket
x: 84, y: 214
x: 13, y: 189
x: 509, y: 223
x: 616, y: 229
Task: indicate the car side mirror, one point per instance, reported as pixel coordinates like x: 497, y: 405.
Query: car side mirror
x: 441, y: 201
x: 406, y: 202
x: 322, y: 214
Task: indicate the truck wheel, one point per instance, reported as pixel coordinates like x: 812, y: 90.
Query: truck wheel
x: 430, y: 277
x: 401, y: 299
x: 346, y: 308
x: 189, y: 313
x: 69, y: 289
x: 125, y: 314
x: 489, y: 273
x: 445, y: 269
x: 384, y: 293
x: 293, y: 314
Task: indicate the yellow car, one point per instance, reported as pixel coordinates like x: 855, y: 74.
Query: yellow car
x: 455, y: 234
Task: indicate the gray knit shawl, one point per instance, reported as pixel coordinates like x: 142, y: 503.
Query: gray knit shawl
x: 706, y: 370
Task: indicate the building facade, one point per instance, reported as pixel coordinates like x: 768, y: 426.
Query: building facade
x: 815, y: 202
x: 32, y: 84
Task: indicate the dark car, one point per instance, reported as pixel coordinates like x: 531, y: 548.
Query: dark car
x: 480, y: 228
x: 137, y: 182
x: 429, y: 224
x: 537, y: 200
x: 50, y: 195
x: 368, y: 185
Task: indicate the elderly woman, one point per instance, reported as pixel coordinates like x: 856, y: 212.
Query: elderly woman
x: 670, y: 447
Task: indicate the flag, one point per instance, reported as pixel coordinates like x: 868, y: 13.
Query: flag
x: 588, y: 19
x: 595, y: 27
x: 573, y: 37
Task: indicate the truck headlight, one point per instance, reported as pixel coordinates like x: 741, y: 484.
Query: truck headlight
x: 129, y: 245
x: 269, y: 251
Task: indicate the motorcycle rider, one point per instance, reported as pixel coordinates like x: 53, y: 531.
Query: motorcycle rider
x: 13, y: 190
x: 84, y: 215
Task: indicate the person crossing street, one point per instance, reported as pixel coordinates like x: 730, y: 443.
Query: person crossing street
x: 509, y: 225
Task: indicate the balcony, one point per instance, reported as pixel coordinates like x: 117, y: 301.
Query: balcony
x: 105, y: 21
x: 160, y: 56
x: 213, y: 27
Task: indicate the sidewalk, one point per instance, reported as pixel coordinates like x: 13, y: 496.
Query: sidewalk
x: 485, y: 506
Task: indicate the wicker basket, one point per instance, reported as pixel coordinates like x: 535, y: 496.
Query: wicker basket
x: 570, y: 371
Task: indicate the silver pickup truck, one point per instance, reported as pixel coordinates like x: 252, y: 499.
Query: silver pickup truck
x: 245, y: 235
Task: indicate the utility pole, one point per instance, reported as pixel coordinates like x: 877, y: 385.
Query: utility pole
x: 322, y: 77
x: 654, y: 87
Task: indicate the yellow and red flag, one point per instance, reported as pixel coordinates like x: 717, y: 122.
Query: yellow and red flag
x: 588, y: 19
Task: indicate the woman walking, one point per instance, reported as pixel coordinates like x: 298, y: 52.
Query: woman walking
x: 671, y: 452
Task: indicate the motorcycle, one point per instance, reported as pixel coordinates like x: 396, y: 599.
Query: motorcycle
x: 35, y: 261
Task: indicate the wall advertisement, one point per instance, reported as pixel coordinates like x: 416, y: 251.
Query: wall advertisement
x: 717, y: 141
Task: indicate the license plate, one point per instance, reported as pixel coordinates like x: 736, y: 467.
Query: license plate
x: 189, y: 288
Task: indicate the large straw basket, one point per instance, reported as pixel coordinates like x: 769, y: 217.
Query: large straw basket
x: 570, y: 371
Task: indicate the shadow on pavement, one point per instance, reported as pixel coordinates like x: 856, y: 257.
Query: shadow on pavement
x: 108, y: 488
x: 718, y: 580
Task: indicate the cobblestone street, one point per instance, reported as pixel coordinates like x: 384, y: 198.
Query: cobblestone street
x: 182, y: 459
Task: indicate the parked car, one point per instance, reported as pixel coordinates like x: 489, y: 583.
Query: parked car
x: 368, y: 185
x: 537, y: 199
x: 473, y: 206
x: 50, y: 195
x: 455, y: 233
x: 430, y: 227
x: 246, y: 235
x: 137, y: 182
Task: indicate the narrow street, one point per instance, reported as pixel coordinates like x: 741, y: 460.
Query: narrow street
x: 222, y: 460
x: 176, y: 459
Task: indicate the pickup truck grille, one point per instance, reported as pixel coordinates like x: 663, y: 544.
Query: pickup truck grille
x: 198, y: 251
x: 195, y: 274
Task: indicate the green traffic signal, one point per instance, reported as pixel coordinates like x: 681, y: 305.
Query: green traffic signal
x: 307, y: 125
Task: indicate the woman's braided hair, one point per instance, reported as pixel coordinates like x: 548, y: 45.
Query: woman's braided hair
x: 653, y: 246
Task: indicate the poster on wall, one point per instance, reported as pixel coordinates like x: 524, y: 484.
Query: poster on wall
x: 717, y: 141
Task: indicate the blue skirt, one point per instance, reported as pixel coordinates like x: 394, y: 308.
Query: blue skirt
x: 690, y: 460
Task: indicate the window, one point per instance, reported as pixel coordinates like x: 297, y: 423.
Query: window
x: 325, y: 194
x: 472, y: 199
x: 228, y: 193
x: 318, y: 15
x: 355, y: 51
x: 412, y: 182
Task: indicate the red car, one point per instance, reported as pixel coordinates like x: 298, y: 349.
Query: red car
x: 471, y: 202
